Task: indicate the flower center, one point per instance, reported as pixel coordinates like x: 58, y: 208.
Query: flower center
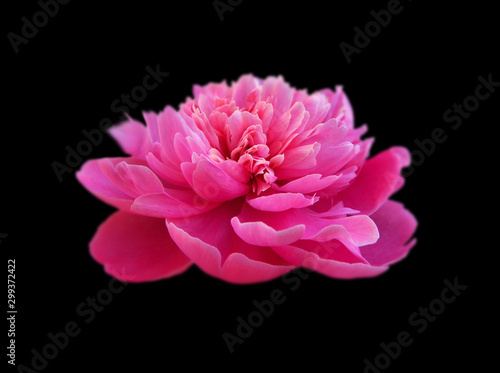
x: 240, y: 138
x: 252, y: 152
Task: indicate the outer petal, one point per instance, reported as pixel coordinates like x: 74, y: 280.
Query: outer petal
x: 376, y: 182
x: 210, y: 241
x: 129, y: 185
x: 328, y: 258
x: 171, y: 203
x: 265, y: 228
x: 136, y: 248
x: 130, y: 175
x: 396, y: 225
x: 353, y: 231
x: 261, y: 234
x: 143, y: 180
x: 94, y: 180
x: 132, y: 136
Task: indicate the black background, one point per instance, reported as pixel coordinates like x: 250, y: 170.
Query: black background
x: 64, y: 80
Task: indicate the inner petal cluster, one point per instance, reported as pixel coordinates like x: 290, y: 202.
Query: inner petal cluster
x: 274, y: 134
x: 253, y: 153
x: 237, y: 133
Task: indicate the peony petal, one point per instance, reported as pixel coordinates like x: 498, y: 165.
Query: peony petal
x: 166, y: 170
x: 136, y: 248
x: 358, y: 230
x: 260, y: 234
x: 265, y: 228
x: 210, y: 241
x: 237, y: 123
x: 396, y: 226
x: 211, y: 182
x: 362, y: 229
x: 276, y: 201
x: 235, y: 171
x: 328, y: 165
x: 172, y: 204
x: 280, y: 95
x: 317, y: 106
x: 131, y: 176
x: 142, y: 178
x: 298, y: 161
x: 376, y: 181
x: 330, y: 262
x: 185, y: 147
x: 241, y: 89
x: 151, y: 119
x: 307, y: 184
x: 96, y: 182
x: 170, y: 123
x: 132, y: 136
x: 340, y: 107
x: 286, y: 125
x: 211, y: 89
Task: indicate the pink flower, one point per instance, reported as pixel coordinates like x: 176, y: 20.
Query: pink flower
x: 249, y: 181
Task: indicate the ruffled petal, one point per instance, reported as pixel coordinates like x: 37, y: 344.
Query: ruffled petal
x: 330, y: 258
x: 272, y: 201
x: 211, y: 182
x: 340, y: 107
x: 136, y: 248
x: 266, y: 228
x: 280, y: 95
x: 172, y: 203
x: 95, y: 181
x: 210, y: 241
x: 307, y: 184
x: 132, y: 136
x: 396, y: 226
x: 245, y: 84
x: 376, y: 182
x: 261, y: 234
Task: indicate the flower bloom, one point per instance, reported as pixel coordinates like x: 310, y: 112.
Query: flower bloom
x: 249, y: 181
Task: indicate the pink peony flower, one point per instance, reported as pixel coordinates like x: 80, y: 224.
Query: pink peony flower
x: 249, y: 181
